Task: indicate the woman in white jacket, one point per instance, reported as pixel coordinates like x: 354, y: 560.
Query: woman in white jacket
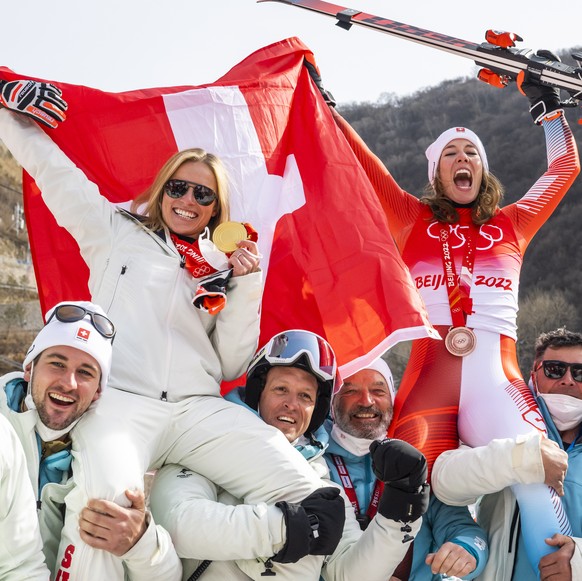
x: 169, y: 357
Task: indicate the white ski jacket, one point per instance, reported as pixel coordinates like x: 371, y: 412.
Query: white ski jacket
x: 165, y: 348
x: 461, y: 476
x: 21, y: 554
x: 197, y: 513
x: 152, y: 557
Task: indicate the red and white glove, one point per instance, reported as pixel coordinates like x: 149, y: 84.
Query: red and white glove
x: 210, y: 294
x: 41, y: 101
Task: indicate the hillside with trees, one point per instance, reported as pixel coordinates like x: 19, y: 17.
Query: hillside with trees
x: 19, y: 310
x: 398, y: 130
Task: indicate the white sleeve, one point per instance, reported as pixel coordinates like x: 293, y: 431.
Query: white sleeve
x: 460, y: 476
x: 71, y: 197
x: 236, y: 335
x: 21, y: 555
x: 576, y: 561
x: 372, y: 554
x: 153, y: 557
x: 181, y: 500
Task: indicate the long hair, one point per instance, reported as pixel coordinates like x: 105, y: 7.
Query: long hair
x: 485, y: 207
x: 152, y: 197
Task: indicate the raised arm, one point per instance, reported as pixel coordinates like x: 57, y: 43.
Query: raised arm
x: 535, y: 207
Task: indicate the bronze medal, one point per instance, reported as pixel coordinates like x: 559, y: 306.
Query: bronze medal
x: 227, y: 234
x: 460, y: 341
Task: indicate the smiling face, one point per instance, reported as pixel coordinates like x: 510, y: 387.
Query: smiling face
x: 564, y: 385
x: 460, y: 171
x: 64, y: 382
x: 288, y: 400
x: 363, y: 405
x: 185, y: 216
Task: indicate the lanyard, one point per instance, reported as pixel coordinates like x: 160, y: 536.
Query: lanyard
x: 348, y: 485
x: 195, y: 263
x: 573, y: 442
x: 458, y: 288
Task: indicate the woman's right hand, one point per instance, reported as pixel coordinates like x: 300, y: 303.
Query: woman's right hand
x: 41, y: 101
x: 245, y: 259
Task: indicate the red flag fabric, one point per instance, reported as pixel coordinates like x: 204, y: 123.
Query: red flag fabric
x: 330, y: 263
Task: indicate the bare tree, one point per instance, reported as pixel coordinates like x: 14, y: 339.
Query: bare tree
x: 541, y: 311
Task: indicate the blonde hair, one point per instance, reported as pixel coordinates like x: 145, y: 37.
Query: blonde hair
x: 152, y: 197
x: 485, y: 207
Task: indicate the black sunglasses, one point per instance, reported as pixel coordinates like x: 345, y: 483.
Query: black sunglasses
x: 202, y: 194
x: 557, y: 369
x: 74, y: 313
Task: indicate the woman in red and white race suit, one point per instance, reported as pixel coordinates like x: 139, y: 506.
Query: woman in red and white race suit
x: 459, y: 238
x: 164, y: 402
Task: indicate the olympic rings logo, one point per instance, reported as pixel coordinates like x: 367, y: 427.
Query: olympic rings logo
x: 201, y: 271
x: 488, y: 235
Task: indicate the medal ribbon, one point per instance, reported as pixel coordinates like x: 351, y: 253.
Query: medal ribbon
x: 195, y: 263
x: 459, y: 288
x: 348, y: 485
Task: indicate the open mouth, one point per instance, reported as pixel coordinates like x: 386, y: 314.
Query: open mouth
x: 185, y: 214
x: 463, y: 179
x: 60, y: 399
x: 286, y: 419
x: 365, y: 416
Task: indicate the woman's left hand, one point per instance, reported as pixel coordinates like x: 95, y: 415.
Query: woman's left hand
x: 245, y: 259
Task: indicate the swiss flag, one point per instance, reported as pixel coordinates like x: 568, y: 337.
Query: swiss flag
x: 331, y: 266
x: 83, y: 334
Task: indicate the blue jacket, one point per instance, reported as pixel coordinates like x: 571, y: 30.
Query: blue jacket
x: 572, y: 499
x: 440, y: 524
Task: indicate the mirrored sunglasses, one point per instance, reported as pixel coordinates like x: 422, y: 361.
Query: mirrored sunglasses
x: 557, y: 369
x: 179, y: 188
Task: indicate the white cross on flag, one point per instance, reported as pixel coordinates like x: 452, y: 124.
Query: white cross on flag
x: 330, y: 263
x: 83, y: 334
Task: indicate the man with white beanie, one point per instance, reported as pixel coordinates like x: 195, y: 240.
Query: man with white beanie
x: 449, y: 542
x: 65, y: 371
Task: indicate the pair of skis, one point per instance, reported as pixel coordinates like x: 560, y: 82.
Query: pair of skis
x: 501, y: 61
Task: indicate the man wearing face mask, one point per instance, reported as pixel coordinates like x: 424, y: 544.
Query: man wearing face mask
x: 460, y: 476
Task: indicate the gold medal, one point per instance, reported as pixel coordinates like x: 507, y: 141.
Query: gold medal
x: 460, y: 341
x: 227, y: 234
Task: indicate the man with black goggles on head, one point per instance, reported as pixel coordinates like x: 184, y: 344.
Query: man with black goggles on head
x: 464, y: 474
x: 65, y: 372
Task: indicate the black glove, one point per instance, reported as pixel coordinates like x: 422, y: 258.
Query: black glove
x: 316, y: 78
x: 543, y: 98
x: 41, y: 101
x: 314, y: 526
x: 403, y: 470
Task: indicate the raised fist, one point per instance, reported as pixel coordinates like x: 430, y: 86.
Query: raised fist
x: 41, y: 101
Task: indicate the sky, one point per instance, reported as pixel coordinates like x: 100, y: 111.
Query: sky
x: 121, y: 45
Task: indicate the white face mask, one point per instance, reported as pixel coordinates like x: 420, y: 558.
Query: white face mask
x: 566, y: 411
x: 357, y: 446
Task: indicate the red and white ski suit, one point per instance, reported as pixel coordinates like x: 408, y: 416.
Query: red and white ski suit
x: 443, y: 398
